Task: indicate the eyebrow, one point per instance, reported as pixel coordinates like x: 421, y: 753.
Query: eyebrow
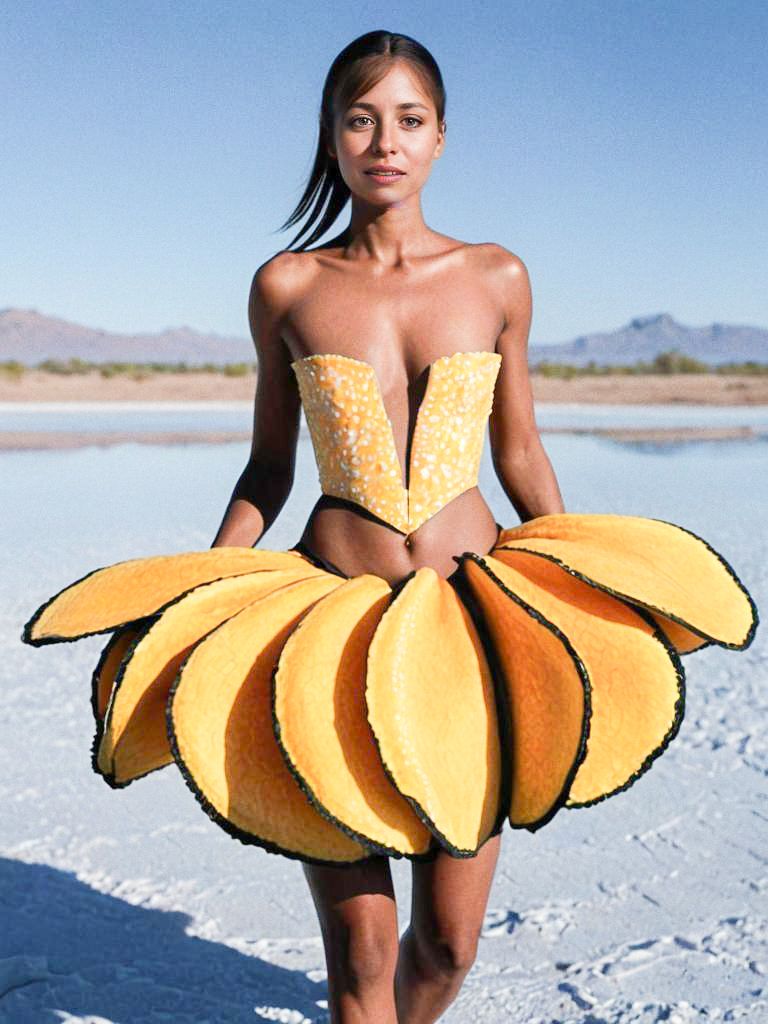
x: 400, y: 106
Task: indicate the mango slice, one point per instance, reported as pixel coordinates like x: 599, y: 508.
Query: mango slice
x: 108, y: 598
x: 689, y: 589
x: 322, y: 725
x: 103, y: 680
x: 220, y: 723
x: 546, y: 695
x: 105, y: 673
x: 135, y: 739
x: 431, y: 705
x: 636, y: 678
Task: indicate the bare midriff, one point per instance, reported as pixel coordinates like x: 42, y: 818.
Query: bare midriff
x: 356, y: 543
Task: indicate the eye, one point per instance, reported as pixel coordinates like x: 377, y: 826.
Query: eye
x: 410, y: 117
x: 360, y: 117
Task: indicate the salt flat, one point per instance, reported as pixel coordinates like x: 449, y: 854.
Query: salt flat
x: 131, y: 907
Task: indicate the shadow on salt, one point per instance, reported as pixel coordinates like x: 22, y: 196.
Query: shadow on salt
x: 90, y: 953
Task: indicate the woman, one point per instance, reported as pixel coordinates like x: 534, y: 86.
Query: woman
x: 360, y: 696
x: 393, y: 292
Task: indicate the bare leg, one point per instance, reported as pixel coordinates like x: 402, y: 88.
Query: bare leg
x: 439, y: 946
x: 358, y: 920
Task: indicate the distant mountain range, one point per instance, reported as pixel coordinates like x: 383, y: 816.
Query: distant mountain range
x: 645, y: 337
x: 29, y: 337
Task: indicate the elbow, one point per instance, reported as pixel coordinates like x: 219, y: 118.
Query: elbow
x: 527, y: 478
x: 519, y: 459
x: 263, y: 483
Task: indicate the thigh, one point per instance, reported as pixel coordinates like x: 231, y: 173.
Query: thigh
x: 450, y: 894
x: 350, y: 895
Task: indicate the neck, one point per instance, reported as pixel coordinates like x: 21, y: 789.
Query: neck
x: 390, y: 236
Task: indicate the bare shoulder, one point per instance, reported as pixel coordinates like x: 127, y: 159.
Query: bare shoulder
x: 490, y: 256
x: 507, y: 276
x: 276, y: 286
x: 278, y: 279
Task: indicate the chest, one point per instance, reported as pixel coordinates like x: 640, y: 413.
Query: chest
x: 398, y: 323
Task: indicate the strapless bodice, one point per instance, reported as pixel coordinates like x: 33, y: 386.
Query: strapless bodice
x: 354, y: 441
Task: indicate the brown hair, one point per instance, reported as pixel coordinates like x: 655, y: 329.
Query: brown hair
x: 358, y: 67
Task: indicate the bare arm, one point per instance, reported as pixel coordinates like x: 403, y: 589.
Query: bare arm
x: 521, y: 464
x: 266, y: 481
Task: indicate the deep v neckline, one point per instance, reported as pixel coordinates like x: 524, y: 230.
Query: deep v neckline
x: 370, y: 369
x: 405, y: 467
x: 413, y: 490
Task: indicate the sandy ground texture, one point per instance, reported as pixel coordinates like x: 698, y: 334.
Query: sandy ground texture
x: 131, y: 907
x: 54, y: 440
x: 715, y: 389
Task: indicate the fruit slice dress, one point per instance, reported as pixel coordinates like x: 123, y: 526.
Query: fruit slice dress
x: 333, y: 718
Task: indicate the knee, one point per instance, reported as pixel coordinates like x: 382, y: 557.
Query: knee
x: 446, y: 953
x: 364, y: 954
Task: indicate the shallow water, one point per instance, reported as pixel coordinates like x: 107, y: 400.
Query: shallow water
x: 209, y: 416
x: 131, y: 499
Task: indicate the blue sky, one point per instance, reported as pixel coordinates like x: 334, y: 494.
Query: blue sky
x: 151, y: 150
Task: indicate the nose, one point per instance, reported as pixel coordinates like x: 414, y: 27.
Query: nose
x: 384, y: 139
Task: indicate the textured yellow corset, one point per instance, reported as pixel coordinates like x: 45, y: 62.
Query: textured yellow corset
x: 355, y: 446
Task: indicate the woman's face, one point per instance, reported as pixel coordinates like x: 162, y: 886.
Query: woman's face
x: 393, y: 124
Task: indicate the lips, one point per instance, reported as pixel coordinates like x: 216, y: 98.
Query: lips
x: 385, y: 171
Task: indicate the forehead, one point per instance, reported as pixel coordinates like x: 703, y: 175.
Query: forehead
x: 400, y: 86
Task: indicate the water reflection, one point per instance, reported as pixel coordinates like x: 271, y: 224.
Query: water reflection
x: 94, y: 506
x: 237, y: 416
x: 692, y: 447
